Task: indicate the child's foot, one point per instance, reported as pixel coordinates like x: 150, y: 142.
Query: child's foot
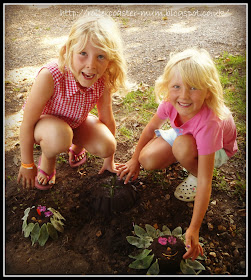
x: 76, y: 159
x: 44, y: 181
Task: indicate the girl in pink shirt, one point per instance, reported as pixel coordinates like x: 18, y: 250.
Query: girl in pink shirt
x: 91, y: 67
x: 202, y: 134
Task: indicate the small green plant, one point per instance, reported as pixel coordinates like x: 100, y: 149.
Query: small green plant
x: 49, y: 219
x: 112, y: 186
x: 172, y: 245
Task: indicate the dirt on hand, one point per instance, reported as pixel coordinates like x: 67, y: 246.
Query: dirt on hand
x: 94, y: 243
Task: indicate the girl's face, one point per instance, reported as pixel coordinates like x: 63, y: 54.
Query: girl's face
x: 186, y: 100
x: 89, y: 65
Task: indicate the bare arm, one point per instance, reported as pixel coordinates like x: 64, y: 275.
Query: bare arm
x: 105, y: 114
x: 41, y: 91
x: 132, y: 167
x: 203, y: 193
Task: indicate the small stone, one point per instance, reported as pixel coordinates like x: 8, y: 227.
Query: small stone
x: 99, y: 233
x: 236, y: 253
x: 211, y: 244
x: 207, y: 261
x: 167, y: 196
x: 213, y: 202
x: 210, y: 226
x: 221, y: 228
x: 213, y: 254
x: 190, y: 204
x: 218, y: 270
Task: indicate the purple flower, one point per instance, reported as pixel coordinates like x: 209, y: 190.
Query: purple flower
x: 41, y: 208
x: 171, y: 240
x: 48, y: 213
x: 162, y: 240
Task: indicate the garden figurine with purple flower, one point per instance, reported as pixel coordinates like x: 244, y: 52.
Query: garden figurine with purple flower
x: 40, y: 223
x: 162, y: 251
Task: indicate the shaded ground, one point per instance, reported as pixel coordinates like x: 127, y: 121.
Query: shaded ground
x: 95, y: 242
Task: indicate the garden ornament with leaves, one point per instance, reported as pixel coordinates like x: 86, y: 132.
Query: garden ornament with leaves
x: 171, y: 247
x: 49, y: 219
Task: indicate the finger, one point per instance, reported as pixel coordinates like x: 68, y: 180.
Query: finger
x: 23, y: 182
x: 188, y: 254
x: 123, y: 173
x: 135, y: 176
x: 19, y: 178
x: 101, y: 171
x: 201, y: 250
x: 120, y: 165
x: 28, y: 185
x: 196, y: 253
x: 128, y: 178
x: 33, y: 183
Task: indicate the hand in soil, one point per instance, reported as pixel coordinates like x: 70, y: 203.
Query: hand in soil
x: 193, y: 246
x: 131, y: 169
x: 26, y: 177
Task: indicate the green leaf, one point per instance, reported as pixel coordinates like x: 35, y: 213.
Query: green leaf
x: 151, y: 231
x: 58, y: 225
x: 35, y: 233
x: 166, y: 230
x: 177, y: 231
x: 26, y: 213
x: 56, y: 214
x: 139, y: 231
x: 201, y: 258
x: 154, y: 269
x: 28, y: 229
x: 52, y: 231
x: 159, y: 233
x: 141, y: 255
x: 186, y: 269
x: 195, y: 265
x: 43, y: 235
x: 142, y: 264
x: 139, y: 242
x: 24, y: 225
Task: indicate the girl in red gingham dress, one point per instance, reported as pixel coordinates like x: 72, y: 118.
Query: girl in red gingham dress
x: 90, y: 68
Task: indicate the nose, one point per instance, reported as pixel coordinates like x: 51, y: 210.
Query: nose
x: 91, y: 64
x: 184, y: 93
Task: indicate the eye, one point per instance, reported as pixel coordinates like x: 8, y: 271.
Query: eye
x: 193, y: 88
x: 83, y: 53
x: 176, y: 86
x: 101, y: 57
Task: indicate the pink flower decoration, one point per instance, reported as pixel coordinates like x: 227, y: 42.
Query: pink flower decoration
x: 171, y: 240
x: 48, y: 213
x: 162, y: 240
x: 41, y: 208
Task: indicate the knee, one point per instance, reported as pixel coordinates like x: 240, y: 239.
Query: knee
x: 105, y: 148
x: 184, y: 146
x: 57, y: 141
x: 145, y: 159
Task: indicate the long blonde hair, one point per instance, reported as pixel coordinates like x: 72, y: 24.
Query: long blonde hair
x: 198, y: 70
x: 104, y: 34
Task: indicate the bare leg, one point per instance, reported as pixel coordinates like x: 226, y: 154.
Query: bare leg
x: 95, y: 137
x: 54, y: 136
x: 157, y: 154
x: 185, y: 151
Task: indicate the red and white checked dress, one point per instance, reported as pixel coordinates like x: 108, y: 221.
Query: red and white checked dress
x: 69, y: 102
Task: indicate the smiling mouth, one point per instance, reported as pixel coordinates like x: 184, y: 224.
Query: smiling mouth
x: 88, y: 76
x: 184, y: 104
